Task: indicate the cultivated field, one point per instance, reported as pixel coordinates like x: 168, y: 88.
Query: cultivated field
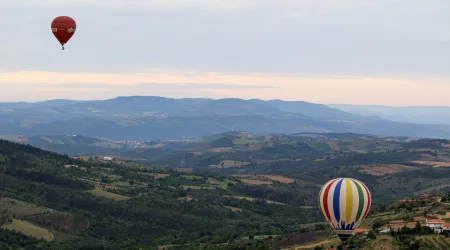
x: 385, y: 169
x: 263, y: 179
x: 435, y: 241
x: 435, y: 164
x: 256, y: 182
x: 29, y: 229
x: 109, y: 195
x: 253, y: 199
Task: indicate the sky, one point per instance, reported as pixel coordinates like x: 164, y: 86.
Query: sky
x: 384, y: 52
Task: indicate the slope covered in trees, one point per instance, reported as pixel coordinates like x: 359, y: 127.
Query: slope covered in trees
x: 159, y: 211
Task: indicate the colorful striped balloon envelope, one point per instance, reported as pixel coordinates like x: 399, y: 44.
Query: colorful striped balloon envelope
x: 345, y: 202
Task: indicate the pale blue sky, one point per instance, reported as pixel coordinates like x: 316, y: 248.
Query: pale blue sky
x: 378, y: 42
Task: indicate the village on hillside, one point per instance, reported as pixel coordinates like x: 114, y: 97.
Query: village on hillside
x: 421, y: 222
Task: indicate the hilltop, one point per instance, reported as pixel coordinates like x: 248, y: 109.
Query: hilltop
x: 150, y: 118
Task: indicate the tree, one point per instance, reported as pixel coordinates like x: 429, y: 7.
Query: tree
x: 105, y: 179
x: 417, y: 227
x: 371, y: 235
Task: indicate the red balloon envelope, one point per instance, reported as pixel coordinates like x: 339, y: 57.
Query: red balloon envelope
x: 63, y: 27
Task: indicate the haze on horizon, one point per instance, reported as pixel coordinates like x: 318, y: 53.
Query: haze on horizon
x: 385, y: 52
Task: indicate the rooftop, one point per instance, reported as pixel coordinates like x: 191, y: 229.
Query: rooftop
x: 435, y: 221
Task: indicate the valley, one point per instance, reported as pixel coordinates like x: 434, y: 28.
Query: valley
x: 179, y: 193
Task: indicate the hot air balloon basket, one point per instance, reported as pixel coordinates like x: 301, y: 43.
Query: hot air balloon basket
x: 344, y: 234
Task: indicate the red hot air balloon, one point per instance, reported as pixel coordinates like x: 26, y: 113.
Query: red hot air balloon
x: 63, y: 27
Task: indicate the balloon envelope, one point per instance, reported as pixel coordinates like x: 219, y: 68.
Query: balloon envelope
x: 345, y: 202
x: 63, y: 27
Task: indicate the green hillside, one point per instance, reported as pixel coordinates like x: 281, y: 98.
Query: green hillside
x: 216, y: 192
x: 77, y: 203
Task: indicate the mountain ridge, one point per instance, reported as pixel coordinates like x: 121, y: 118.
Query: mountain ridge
x: 412, y: 114
x: 152, y: 117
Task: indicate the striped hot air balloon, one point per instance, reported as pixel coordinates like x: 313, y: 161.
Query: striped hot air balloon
x: 345, y: 202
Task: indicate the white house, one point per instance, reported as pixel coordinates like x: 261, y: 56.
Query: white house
x: 386, y: 231
x: 107, y: 158
x: 436, y: 224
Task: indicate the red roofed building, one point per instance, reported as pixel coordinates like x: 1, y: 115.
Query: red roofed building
x: 360, y: 230
x: 426, y: 196
x: 436, y: 224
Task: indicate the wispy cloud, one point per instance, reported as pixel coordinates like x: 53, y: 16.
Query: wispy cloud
x: 175, y: 83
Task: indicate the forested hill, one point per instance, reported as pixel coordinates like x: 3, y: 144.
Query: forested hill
x: 74, y: 204
x: 153, y: 117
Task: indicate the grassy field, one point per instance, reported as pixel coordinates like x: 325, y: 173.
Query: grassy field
x: 109, y: 195
x: 256, y: 182
x: 220, y: 184
x: 29, y: 229
x: 385, y: 169
x: 192, y: 177
x: 266, y: 178
x: 241, y: 141
x: 20, y: 208
x: 155, y: 175
x: 65, y: 222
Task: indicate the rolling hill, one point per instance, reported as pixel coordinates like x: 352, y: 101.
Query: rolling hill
x: 313, y: 158
x: 77, y: 204
x: 221, y: 191
x: 150, y: 118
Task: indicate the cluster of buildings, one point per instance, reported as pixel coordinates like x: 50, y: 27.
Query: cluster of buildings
x: 433, y: 221
x: 437, y: 225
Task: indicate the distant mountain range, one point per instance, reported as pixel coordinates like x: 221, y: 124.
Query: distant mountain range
x: 422, y: 115
x: 150, y: 117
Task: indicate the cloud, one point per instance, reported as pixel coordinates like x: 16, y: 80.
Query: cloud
x: 319, y: 37
x: 362, y: 51
x: 136, y: 86
x: 176, y: 83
